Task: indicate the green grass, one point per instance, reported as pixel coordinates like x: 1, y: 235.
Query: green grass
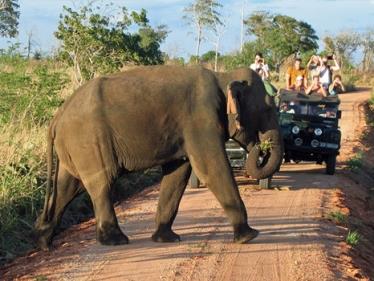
x: 338, y: 217
x: 356, y: 162
x: 353, y: 238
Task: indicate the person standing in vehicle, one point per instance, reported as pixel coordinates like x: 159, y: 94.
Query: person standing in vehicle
x: 260, y: 66
x: 313, y: 65
x: 326, y: 70
x: 293, y: 72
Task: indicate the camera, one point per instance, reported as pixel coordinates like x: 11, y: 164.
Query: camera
x: 330, y: 57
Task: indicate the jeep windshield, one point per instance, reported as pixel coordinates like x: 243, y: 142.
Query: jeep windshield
x: 311, y: 109
x: 308, y: 105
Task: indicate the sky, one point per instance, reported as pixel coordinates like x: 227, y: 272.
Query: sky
x: 327, y: 17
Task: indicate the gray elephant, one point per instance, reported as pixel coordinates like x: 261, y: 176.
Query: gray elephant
x: 163, y: 115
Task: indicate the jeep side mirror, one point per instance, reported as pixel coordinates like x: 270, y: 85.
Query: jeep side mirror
x: 339, y: 114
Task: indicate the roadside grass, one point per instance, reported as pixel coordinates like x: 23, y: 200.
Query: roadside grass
x: 356, y: 162
x: 29, y: 95
x: 338, y: 217
x: 353, y: 238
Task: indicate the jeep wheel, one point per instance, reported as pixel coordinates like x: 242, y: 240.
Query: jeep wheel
x: 194, y: 181
x: 330, y: 164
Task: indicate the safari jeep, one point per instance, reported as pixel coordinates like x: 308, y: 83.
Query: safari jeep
x: 309, y: 125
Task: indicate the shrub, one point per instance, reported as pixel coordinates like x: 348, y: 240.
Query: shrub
x: 353, y: 238
x: 355, y: 163
x: 338, y: 217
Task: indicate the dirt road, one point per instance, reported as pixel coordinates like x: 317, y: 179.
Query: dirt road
x: 295, y: 243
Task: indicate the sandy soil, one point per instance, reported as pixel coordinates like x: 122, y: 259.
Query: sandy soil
x: 296, y: 242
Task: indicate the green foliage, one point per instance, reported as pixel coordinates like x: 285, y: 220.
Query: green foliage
x: 265, y: 146
x: 194, y: 59
x: 28, y: 96
x: 9, y: 15
x: 281, y: 36
x: 94, y: 43
x: 356, y: 162
x: 353, y: 238
x: 243, y: 59
x: 209, y: 56
x: 338, y: 217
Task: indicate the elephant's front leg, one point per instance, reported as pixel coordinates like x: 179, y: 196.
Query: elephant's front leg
x: 176, y: 175
x: 208, y: 158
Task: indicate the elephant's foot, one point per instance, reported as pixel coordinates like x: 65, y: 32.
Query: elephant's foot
x: 43, y: 235
x: 111, y: 235
x: 243, y: 233
x: 165, y: 235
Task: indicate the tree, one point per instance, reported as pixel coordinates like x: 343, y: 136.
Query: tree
x: 202, y: 14
x: 281, y: 36
x: 343, y: 45
x: 367, y: 44
x: 94, y: 43
x: 217, y: 29
x: 9, y: 15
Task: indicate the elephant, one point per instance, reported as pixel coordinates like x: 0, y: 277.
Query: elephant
x: 171, y: 116
x: 259, y: 125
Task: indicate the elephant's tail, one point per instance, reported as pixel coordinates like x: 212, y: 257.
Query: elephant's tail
x: 51, y: 192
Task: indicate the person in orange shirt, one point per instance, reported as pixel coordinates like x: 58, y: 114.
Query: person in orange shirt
x: 293, y: 72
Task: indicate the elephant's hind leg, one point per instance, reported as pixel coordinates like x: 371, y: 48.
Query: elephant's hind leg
x: 98, y: 169
x: 68, y: 187
x: 173, y: 184
x: 108, y: 231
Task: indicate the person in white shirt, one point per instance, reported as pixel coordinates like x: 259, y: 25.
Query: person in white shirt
x: 325, y: 71
x: 260, y: 66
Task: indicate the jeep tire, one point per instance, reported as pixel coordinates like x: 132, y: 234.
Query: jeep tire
x: 330, y: 164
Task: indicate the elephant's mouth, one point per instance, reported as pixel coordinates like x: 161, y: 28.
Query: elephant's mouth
x: 263, y: 160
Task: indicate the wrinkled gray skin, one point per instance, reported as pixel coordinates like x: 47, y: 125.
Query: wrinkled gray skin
x: 169, y: 116
x: 260, y: 122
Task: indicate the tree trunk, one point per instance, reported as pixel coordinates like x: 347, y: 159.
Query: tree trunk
x: 199, y: 33
x: 216, y: 56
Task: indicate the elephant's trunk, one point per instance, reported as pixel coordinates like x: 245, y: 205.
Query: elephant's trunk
x: 263, y: 164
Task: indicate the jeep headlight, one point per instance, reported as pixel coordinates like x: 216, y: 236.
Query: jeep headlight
x: 298, y: 141
x: 295, y: 130
x: 317, y: 131
x: 314, y: 143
